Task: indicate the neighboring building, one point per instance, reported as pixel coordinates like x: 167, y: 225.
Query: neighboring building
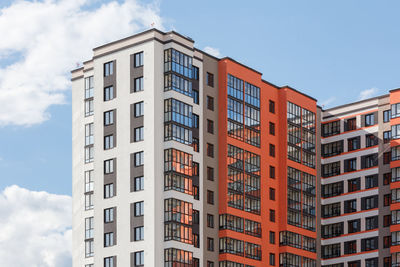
x: 182, y: 159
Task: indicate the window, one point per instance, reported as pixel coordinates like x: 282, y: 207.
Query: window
x: 89, y: 181
x: 272, y: 215
x: 395, y: 110
x: 395, y: 174
x: 196, y: 217
x: 210, y: 126
x: 370, y: 243
x: 139, y: 109
x: 139, y: 258
x: 272, y: 150
x: 272, y: 106
x: 350, y: 206
x: 354, y: 226
x: 371, y: 140
x: 371, y: 223
x: 108, y: 190
x: 387, y: 241
x: 139, y: 233
x: 89, y: 132
x: 353, y: 184
x: 89, y: 201
x: 331, y: 251
x: 210, y: 220
x: 271, y: 193
x: 139, y: 208
x: 89, y: 107
x: 196, y: 241
x: 139, y: 135
x: 108, y: 68
x: 332, y: 230
x: 196, y: 97
x: 108, y: 93
x: 89, y: 248
x: 331, y: 169
x: 353, y: 143
x: 350, y: 124
x: 386, y: 115
x: 252, y: 228
x: 108, y: 142
x: 109, y: 239
x: 138, y: 84
x: 272, y: 259
x: 210, y: 264
x: 386, y: 157
x: 332, y: 189
x: 350, y: 247
x: 138, y: 59
x: 387, y: 178
x: 272, y: 172
x: 210, y: 174
x: 139, y: 158
x: 271, y: 237
x: 369, y: 119
x: 195, y: 73
x: 210, y: 197
x: 108, y: 166
x: 371, y: 181
x: 369, y: 202
x: 369, y: 161
x: 271, y: 128
x: 331, y: 128
x: 395, y: 217
x: 210, y: 244
x: 195, y: 121
x: 108, y: 117
x: 139, y: 183
x: 210, y: 150
x: 89, y: 87
x: 108, y: 215
x: 395, y: 195
x: 210, y: 103
x: 331, y: 210
x: 178, y: 84
x: 387, y: 136
x: 350, y: 165
x: 387, y: 199
x: 89, y: 227
x: 210, y: 79
x: 386, y: 221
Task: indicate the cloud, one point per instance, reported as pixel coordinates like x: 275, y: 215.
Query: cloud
x: 327, y: 102
x: 212, y: 51
x: 367, y: 93
x: 35, y: 228
x: 45, y: 39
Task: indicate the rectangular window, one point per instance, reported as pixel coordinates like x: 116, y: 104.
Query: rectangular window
x: 354, y: 184
x: 331, y: 128
x: 139, y: 208
x: 386, y: 115
x: 108, y: 166
x: 350, y: 124
x: 272, y: 259
x: 271, y: 237
x: 108, y: 68
x: 272, y: 106
x: 89, y: 201
x: 109, y: 239
x: 108, y: 190
x: 89, y: 227
x: 371, y: 140
x: 108, y: 93
x: 272, y: 150
x: 371, y: 181
x: 195, y: 73
x: 387, y: 199
x: 368, y: 244
x: 89, y: 108
x: 350, y: 165
x: 89, y: 181
x: 371, y: 223
x: 108, y: 142
x: 108, y: 215
x: 139, y: 258
x: 139, y: 158
x: 271, y: 193
x: 210, y: 220
x: 89, y: 248
x: 353, y: 143
x: 139, y: 233
x: 139, y: 183
x: 210, y: 79
x: 369, y: 202
x: 196, y: 97
x: 210, y: 126
x: 272, y: 215
x: 387, y: 136
x: 350, y: 206
x: 386, y: 157
x: 210, y: 197
x: 210, y: 174
x: 210, y: 103
x: 109, y: 262
x: 138, y: 84
x: 210, y: 244
x: 196, y: 121
x: 354, y: 226
x: 89, y: 87
x: 332, y: 189
x: 139, y: 109
x: 138, y: 59
x: 271, y: 128
x: 331, y: 169
x: 89, y: 134
x: 369, y: 161
x: 139, y: 135
x: 386, y: 221
x: 210, y: 150
x: 387, y: 177
x: 369, y: 119
x: 272, y: 172
x: 109, y: 117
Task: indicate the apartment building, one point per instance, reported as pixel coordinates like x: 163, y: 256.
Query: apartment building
x: 183, y: 159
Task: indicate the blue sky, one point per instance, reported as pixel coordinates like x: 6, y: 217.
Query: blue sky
x: 331, y: 50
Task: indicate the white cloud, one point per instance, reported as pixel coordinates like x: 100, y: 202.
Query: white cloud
x: 327, y: 102
x: 367, y: 93
x: 212, y: 51
x: 48, y: 38
x: 35, y: 228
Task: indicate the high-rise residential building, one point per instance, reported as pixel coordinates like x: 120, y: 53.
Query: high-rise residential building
x: 182, y: 159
